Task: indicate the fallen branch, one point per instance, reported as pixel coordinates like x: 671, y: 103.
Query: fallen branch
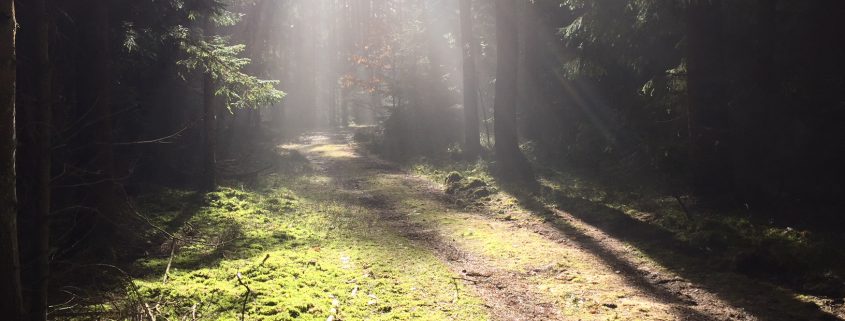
x: 465, y: 279
x: 683, y: 206
x: 246, y: 297
x: 169, y: 261
x: 149, y: 312
x: 162, y: 140
x: 455, y: 298
x: 266, y: 257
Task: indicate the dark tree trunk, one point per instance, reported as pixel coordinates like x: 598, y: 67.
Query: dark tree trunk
x: 472, y: 143
x: 333, y: 48
x: 11, y: 300
x: 347, y: 40
x: 310, y: 61
x: 209, y: 144
x: 530, y: 69
x: 344, y: 107
x: 510, y: 160
x: 286, y: 81
x: 208, y: 181
x: 256, y: 121
x: 111, y: 200
x: 42, y: 127
x: 102, y: 72
x: 753, y: 131
x: 708, y: 113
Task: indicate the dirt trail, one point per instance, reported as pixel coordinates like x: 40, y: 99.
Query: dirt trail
x: 527, y: 266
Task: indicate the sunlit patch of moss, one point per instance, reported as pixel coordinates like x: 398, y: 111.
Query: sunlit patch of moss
x: 439, y: 172
x: 288, y: 284
x: 306, y: 255
x: 332, y: 151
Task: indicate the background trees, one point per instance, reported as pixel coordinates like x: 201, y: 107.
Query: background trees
x: 104, y: 89
x: 11, y: 301
x: 508, y: 154
x: 731, y: 107
x: 685, y: 89
x: 472, y: 135
x: 726, y: 109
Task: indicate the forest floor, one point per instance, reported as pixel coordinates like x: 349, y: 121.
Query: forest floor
x: 348, y: 236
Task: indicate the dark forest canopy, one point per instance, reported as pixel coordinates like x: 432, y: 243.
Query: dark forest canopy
x: 716, y: 126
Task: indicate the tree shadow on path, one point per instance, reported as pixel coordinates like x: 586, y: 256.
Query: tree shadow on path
x: 589, y: 224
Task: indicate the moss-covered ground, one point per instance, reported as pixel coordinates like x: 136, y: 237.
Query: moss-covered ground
x: 349, y: 237
x: 304, y: 256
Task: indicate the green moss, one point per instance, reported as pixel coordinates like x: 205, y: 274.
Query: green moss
x: 305, y: 255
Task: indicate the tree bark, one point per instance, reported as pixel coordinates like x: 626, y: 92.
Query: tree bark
x: 42, y: 127
x: 208, y: 181
x: 530, y: 70
x: 510, y: 160
x: 209, y: 144
x: 102, y: 72
x: 111, y: 201
x: 11, y: 300
x: 472, y: 139
x: 344, y: 107
x: 310, y: 60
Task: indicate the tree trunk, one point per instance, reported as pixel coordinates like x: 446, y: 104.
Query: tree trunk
x: 102, y: 72
x: 208, y: 181
x: 43, y: 117
x: 472, y: 139
x: 310, y: 61
x: 753, y: 132
x: 209, y: 144
x: 708, y: 113
x: 530, y: 70
x: 344, y: 107
x: 11, y: 300
x: 510, y: 160
x: 111, y: 201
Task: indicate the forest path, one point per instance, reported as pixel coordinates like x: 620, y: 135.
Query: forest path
x: 334, y: 234
x: 523, y: 266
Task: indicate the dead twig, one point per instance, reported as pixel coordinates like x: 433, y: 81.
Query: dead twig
x: 162, y: 140
x: 169, y: 261
x: 455, y: 298
x: 266, y: 257
x: 246, y: 297
x: 465, y: 279
x: 683, y: 206
x: 149, y: 311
